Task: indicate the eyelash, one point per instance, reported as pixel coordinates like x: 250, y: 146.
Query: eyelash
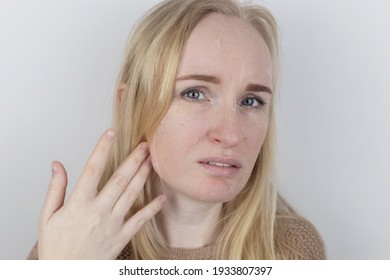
x: 186, y: 92
x: 257, y: 99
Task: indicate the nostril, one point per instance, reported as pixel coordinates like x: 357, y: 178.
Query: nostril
x: 225, y: 130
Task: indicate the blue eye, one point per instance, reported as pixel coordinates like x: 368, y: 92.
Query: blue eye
x: 194, y: 94
x: 253, y: 101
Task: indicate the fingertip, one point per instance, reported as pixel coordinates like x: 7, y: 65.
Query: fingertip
x: 54, y: 168
x: 162, y: 199
x: 57, y: 167
x: 59, y: 171
x: 56, y: 193
x: 110, y: 134
x: 144, y: 147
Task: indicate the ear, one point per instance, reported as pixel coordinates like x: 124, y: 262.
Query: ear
x: 119, y: 92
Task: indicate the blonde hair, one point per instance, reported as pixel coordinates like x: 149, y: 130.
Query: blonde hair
x: 149, y: 73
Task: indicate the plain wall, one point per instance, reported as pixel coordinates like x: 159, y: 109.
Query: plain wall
x: 58, y: 66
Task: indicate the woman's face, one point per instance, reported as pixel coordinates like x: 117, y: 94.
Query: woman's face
x: 207, y: 144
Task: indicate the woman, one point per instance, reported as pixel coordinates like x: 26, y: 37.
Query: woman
x: 187, y: 171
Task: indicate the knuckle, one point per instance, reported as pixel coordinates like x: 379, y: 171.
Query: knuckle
x: 130, y: 195
x: 119, y: 180
x: 93, y: 170
x: 54, y: 188
x: 140, y: 222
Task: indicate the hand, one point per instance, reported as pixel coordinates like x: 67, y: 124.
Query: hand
x: 92, y: 225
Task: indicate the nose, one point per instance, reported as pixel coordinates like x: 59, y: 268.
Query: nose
x: 225, y: 128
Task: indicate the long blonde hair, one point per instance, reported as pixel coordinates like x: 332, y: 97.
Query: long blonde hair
x: 149, y: 73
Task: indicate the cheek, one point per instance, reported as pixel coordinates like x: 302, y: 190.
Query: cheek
x: 253, y: 142
x: 174, y: 142
x: 256, y: 136
x: 254, y: 129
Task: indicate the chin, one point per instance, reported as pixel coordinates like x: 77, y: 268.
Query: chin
x: 212, y: 189
x: 213, y: 193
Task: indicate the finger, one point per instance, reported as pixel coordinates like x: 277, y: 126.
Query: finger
x: 128, y: 196
x: 56, y: 192
x: 135, y: 223
x: 122, y: 176
x: 86, y: 186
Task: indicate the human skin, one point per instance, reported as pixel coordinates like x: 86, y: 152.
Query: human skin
x: 91, y: 225
x: 216, y: 120
x: 204, y: 150
x: 206, y: 145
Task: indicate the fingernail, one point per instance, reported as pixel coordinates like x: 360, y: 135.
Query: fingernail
x: 110, y: 134
x: 54, y: 168
x: 163, y: 199
x: 144, y: 147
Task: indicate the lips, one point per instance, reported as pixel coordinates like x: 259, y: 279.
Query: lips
x: 221, y: 166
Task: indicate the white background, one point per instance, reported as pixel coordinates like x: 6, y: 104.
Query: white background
x: 58, y: 65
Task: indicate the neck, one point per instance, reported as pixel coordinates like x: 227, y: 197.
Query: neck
x: 189, y: 224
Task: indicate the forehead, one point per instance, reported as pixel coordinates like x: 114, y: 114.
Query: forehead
x: 226, y: 46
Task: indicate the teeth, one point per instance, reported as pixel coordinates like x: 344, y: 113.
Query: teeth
x: 219, y: 164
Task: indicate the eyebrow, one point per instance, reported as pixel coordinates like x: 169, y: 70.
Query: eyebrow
x: 206, y: 78
x: 216, y: 80
x: 258, y: 88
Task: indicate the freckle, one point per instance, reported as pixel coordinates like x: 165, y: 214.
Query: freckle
x: 182, y: 124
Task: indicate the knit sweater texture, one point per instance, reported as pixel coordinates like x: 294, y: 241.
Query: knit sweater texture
x: 300, y: 241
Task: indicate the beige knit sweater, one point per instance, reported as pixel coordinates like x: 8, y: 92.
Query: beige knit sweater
x: 301, y: 241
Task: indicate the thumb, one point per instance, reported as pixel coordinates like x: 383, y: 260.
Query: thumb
x: 56, y: 193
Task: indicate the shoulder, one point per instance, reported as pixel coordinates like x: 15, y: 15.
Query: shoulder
x: 297, y: 238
